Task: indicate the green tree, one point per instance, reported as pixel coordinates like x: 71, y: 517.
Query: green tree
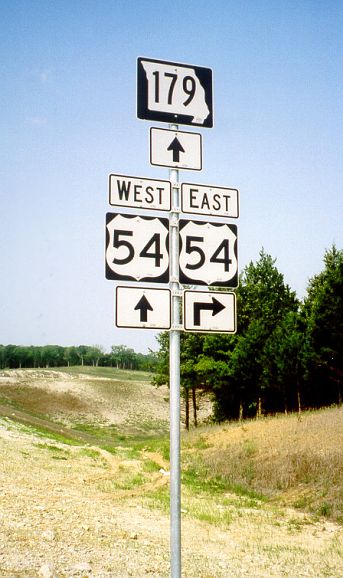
x: 323, y: 308
x: 2, y: 356
x: 94, y: 354
x: 263, y: 299
x: 161, y: 376
x: 287, y: 355
x: 123, y: 357
x: 147, y: 361
x: 37, y: 356
x: 213, y: 366
x: 190, y: 378
x: 23, y: 356
x: 71, y: 355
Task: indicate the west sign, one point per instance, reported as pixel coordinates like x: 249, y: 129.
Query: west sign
x: 139, y: 192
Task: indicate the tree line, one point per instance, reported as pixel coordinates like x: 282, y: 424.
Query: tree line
x: 287, y: 353
x: 120, y: 356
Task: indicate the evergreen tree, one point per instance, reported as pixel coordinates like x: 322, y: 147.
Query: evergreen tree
x: 287, y: 355
x: 190, y: 378
x: 324, y: 315
x: 238, y: 362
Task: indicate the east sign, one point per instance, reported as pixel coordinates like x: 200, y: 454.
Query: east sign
x: 209, y: 200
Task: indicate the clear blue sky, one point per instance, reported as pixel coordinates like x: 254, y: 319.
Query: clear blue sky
x: 68, y: 119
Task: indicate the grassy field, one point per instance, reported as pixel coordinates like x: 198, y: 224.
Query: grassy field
x: 87, y: 401
x: 271, y: 486
x: 283, y: 460
x: 107, y: 372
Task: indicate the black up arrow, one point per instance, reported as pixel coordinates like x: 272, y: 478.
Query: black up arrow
x: 215, y: 307
x: 143, y: 305
x: 177, y: 148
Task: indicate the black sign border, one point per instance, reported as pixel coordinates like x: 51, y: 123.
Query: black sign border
x: 141, y: 326
x: 192, y: 330
x: 111, y: 276
x: 209, y: 187
x: 185, y: 280
x: 144, y: 113
x: 178, y: 166
x: 137, y: 206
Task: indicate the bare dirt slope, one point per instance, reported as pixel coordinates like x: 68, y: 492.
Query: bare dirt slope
x: 77, y: 397
x: 79, y: 510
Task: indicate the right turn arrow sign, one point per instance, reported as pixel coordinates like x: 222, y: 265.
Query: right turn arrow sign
x: 209, y: 312
x: 215, y: 307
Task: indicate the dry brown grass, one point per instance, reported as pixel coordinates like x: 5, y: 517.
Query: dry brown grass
x: 64, y: 506
x: 298, y: 462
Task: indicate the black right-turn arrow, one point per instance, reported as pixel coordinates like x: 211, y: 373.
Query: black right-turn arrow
x: 215, y: 307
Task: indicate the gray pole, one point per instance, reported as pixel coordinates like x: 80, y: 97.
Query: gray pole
x: 174, y: 381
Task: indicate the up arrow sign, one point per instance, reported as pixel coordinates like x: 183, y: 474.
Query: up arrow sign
x: 167, y: 145
x: 177, y: 148
x: 143, y: 306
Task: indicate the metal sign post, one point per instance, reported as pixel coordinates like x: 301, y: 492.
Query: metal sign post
x: 138, y: 250
x: 175, y: 251
x: 174, y: 381
x: 197, y: 252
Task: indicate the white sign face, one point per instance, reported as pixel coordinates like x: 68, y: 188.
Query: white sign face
x: 208, y: 254
x: 137, y: 248
x: 207, y: 312
x: 143, y: 308
x: 209, y: 200
x: 170, y: 148
x: 138, y: 192
x: 174, y: 93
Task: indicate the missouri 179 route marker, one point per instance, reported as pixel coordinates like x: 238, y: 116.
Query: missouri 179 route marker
x: 174, y: 93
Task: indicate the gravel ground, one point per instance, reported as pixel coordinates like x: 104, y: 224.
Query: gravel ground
x: 59, y: 520
x: 64, y: 514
